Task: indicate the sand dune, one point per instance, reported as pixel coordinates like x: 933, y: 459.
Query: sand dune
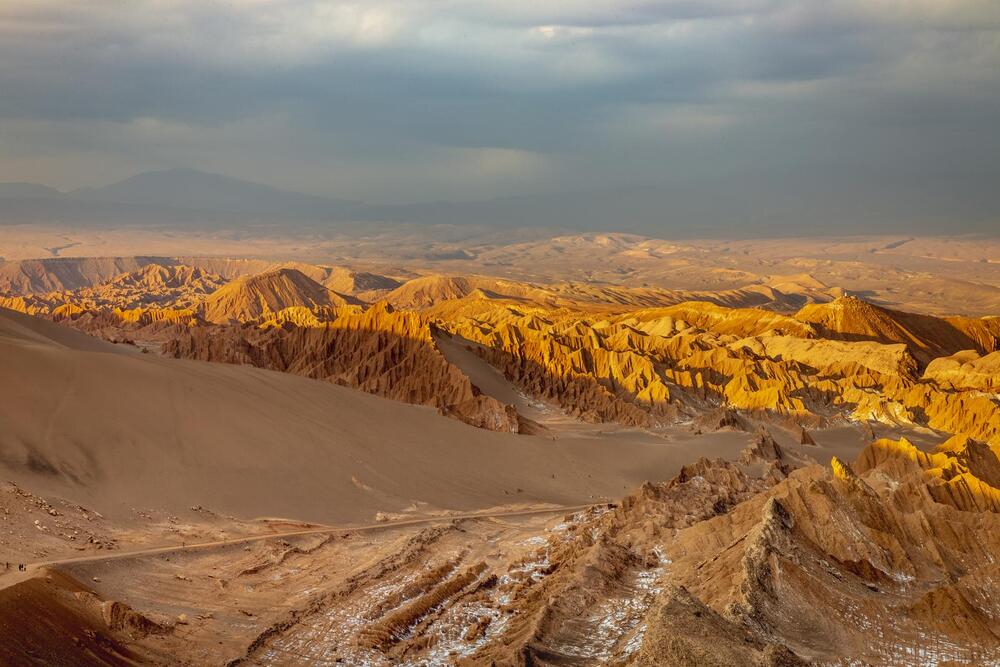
x: 118, y: 429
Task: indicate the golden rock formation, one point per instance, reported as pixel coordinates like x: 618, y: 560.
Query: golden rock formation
x: 850, y: 318
x: 962, y: 472
x: 610, y: 369
x: 260, y: 295
x: 428, y: 290
x: 597, y: 352
x: 380, y: 351
x: 966, y: 370
x: 150, y: 286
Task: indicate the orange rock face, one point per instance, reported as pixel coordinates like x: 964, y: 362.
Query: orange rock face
x: 379, y: 351
x: 598, y: 354
x: 253, y: 297
x: 849, y: 318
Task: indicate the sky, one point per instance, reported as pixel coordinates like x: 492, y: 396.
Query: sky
x: 873, y: 101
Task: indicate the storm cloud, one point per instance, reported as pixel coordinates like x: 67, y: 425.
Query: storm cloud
x: 782, y: 106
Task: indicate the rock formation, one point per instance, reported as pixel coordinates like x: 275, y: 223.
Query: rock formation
x: 885, y: 563
x: 850, y: 318
x: 379, y: 351
x: 584, y: 348
x: 966, y: 370
x: 247, y: 299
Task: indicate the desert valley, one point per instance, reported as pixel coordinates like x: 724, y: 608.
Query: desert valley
x: 686, y: 454
x: 499, y: 333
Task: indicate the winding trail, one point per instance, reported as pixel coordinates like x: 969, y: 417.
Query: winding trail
x: 12, y: 578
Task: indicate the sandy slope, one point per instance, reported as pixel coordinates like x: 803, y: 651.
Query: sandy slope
x: 491, y: 381
x: 120, y: 429
x: 23, y: 329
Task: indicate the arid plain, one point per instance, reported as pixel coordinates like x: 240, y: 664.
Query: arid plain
x: 447, y: 445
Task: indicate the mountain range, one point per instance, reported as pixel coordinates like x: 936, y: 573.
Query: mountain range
x: 170, y: 196
x: 189, y: 196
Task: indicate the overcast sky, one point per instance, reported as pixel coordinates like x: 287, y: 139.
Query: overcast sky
x: 420, y: 100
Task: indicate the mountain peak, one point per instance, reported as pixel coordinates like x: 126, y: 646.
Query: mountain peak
x: 251, y: 297
x: 189, y: 188
x: 28, y: 191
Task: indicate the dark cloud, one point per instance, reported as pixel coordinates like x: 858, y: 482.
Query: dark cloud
x: 392, y: 100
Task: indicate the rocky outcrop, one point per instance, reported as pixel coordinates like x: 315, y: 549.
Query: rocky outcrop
x: 425, y: 291
x: 366, y: 286
x: 850, y: 318
x: 638, y: 370
x: 250, y: 298
x: 966, y: 370
x: 592, y: 593
x: 151, y: 286
x: 681, y: 630
x: 858, y: 563
x: 567, y: 345
x: 155, y: 278
x: 961, y: 472
x: 709, y: 316
x: 121, y: 618
x: 764, y: 450
x: 721, y: 418
x: 380, y: 351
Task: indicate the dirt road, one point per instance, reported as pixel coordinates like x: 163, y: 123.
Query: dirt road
x: 14, y: 576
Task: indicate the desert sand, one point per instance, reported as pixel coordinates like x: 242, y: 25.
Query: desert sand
x: 944, y: 275
x: 113, y: 428
x: 271, y: 461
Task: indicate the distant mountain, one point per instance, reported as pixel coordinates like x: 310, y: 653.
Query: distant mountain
x: 192, y: 197
x: 174, y: 196
x: 81, y: 212
x: 204, y: 191
x: 28, y: 191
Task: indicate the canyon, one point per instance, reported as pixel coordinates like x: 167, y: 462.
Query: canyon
x: 248, y: 461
